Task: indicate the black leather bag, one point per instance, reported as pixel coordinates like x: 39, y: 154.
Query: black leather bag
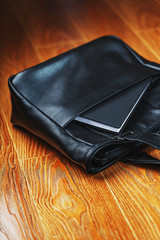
x: 48, y: 97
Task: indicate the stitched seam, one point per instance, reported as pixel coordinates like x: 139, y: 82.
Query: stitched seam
x: 91, y: 144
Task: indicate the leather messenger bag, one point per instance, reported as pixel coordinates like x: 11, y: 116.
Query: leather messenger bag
x: 47, y: 98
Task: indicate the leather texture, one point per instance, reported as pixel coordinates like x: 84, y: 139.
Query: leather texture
x: 46, y: 99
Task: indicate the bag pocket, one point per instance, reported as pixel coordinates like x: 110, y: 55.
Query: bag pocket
x: 94, y: 134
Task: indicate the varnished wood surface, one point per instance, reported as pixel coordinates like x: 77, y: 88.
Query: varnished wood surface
x: 42, y: 194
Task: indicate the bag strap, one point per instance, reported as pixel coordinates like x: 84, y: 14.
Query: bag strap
x: 141, y: 157
x: 152, y: 139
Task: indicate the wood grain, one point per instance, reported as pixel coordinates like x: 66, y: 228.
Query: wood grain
x: 42, y: 194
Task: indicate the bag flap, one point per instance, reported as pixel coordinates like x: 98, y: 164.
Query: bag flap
x: 69, y: 84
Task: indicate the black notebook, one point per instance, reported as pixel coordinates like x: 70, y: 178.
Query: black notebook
x: 113, y: 114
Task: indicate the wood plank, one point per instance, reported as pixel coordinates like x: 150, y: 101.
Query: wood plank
x: 140, y: 16
x: 17, y: 53
x: 82, y: 21
x: 19, y: 217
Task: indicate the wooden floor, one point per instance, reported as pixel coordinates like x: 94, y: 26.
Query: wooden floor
x: 42, y: 194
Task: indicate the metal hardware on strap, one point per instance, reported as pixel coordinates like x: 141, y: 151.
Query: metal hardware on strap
x: 122, y: 135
